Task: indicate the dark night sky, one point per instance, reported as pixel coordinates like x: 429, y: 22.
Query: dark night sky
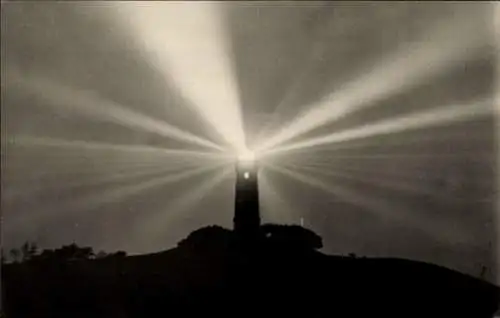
x: 424, y: 194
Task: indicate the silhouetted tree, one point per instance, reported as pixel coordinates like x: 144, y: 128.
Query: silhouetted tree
x: 28, y: 251
x: 484, y: 270
x: 47, y: 254
x: 15, y: 254
x: 207, y: 238
x: 25, y: 251
x: 70, y: 252
x: 33, y: 249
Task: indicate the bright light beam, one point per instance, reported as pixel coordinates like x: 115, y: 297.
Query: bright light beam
x: 65, y: 99
x: 418, y: 120
x: 157, y: 223
x: 275, y: 209
x: 186, y: 41
x: 66, y: 160
x: 99, y: 178
x: 25, y: 140
x: 447, y: 45
x: 116, y: 194
x: 319, y: 34
x: 364, y: 177
x: 328, y: 149
x: 381, y: 207
x: 246, y: 156
x: 82, y: 164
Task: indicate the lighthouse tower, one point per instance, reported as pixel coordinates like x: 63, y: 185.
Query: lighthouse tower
x: 246, y: 210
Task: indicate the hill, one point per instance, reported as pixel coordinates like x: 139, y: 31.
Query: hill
x: 212, y: 273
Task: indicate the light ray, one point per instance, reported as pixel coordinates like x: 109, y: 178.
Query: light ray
x: 381, y: 207
x: 325, y: 150
x: 83, y: 166
x: 397, y: 175
x: 318, y: 34
x: 351, y: 163
x: 65, y: 99
x: 156, y: 224
x: 274, y: 207
x: 418, y: 120
x: 186, y: 41
x: 117, y: 194
x: 448, y: 44
x: 98, y: 179
x: 396, y: 186
x: 140, y: 150
x: 67, y: 160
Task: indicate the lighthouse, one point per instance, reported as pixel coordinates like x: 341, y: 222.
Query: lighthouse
x: 246, y: 210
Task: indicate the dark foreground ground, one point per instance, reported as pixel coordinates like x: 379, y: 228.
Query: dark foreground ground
x: 211, y: 274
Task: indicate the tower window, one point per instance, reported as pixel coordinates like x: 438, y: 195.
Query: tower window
x: 246, y: 175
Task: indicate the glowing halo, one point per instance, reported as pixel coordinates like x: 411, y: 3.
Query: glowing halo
x: 246, y: 156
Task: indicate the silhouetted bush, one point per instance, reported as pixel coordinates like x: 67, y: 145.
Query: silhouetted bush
x: 15, y: 255
x: 292, y: 236
x: 73, y: 252
x: 119, y: 254
x: 207, y: 238
x: 29, y: 252
x: 101, y: 254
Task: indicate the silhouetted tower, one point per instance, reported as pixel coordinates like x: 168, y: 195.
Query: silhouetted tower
x: 246, y: 210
